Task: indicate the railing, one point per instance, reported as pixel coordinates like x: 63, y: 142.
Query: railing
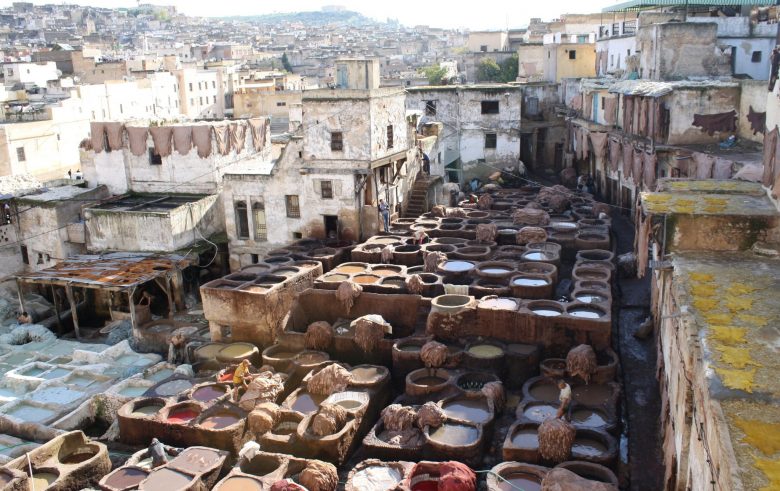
x: 629, y: 27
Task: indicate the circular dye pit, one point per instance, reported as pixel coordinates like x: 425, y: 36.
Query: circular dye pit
x: 285, y: 428
x: 349, y: 404
x: 240, y: 483
x: 592, y: 394
x: 149, y: 410
x: 456, y: 266
x: 485, y: 351
x: 495, y: 270
x: 182, y: 416
x: 337, y: 278
x: 520, y: 480
x: 365, y: 279
x: 125, y: 478
x: 219, y: 421
x: 196, y: 460
x: 586, y: 313
x: 499, y: 304
x: 386, y: 271
x: 588, y: 417
x: 474, y: 410
x: 588, y: 447
x: 543, y: 391
x: 165, y: 479
x: 590, y: 298
x: 366, y: 374
x: 429, y: 381
x: 78, y: 457
x: 305, y: 403
x: 536, y: 256
x: 350, y: 269
x: 311, y: 358
x: 376, y: 478
x: 410, y: 348
x: 524, y: 281
x: 546, y: 312
x: 209, y: 393
x: 526, y: 438
x: 173, y: 388
x: 540, y: 412
x: 237, y: 350
x: 42, y: 480
x: 455, y: 435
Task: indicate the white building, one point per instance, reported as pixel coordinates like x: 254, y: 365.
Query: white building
x: 201, y: 93
x: 36, y: 74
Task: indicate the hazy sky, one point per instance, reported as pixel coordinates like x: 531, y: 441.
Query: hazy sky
x: 479, y: 14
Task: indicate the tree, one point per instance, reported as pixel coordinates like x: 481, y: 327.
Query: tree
x: 509, y: 69
x: 286, y: 63
x: 435, y: 75
x: 488, y: 71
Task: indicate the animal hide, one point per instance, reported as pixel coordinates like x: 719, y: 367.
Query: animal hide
x: 530, y: 234
x: 722, y: 168
x: 319, y: 476
x: 615, y: 154
x: 581, y: 362
x: 599, y: 142
x: 161, y: 136
x: 237, y: 136
x: 115, y: 132
x: 711, y: 123
x: 434, y: 354
x: 757, y: 121
x: 432, y: 260
x: 258, y: 128
x: 703, y: 163
x: 319, y: 336
x: 396, y: 417
x: 610, y: 110
x: 182, y: 139
x: 414, y: 284
x: 221, y: 134
x: 332, y: 378
x: 486, y: 232
x: 770, y: 148
x: 328, y: 420
x: 347, y: 292
x: 431, y: 415
x: 650, y: 170
x: 201, y: 137
x: 97, y: 132
x: 138, y: 137
x: 556, y: 438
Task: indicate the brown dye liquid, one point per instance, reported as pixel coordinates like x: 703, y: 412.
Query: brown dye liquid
x: 350, y: 269
x: 545, y: 392
x: 349, y: 404
x: 197, y: 460
x: 336, y: 277
x: 526, y: 438
x: 591, y: 395
x: 125, y: 478
x: 364, y: 279
x: 219, y: 421
x: 5, y: 478
x: 474, y: 410
x: 282, y: 355
x: 237, y: 350
x: 42, y: 480
x: 165, y: 479
x: 286, y: 428
x: 455, y: 434
x: 588, y: 417
x: 77, y: 458
x: 365, y: 374
x: 208, y: 393
x: 587, y: 447
x: 540, y: 413
x: 428, y: 381
x: 518, y: 481
x: 412, y: 348
x: 305, y: 403
x: 311, y: 358
x: 384, y: 271
x: 239, y: 483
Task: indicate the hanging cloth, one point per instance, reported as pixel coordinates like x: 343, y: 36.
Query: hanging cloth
x: 98, y: 132
x: 615, y: 154
x: 114, y: 132
x: 628, y: 159
x: 257, y: 127
x: 704, y: 163
x: 223, y: 139
x: 161, y: 135
x: 636, y: 170
x: 201, y: 137
x: 650, y: 170
x: 610, y: 110
x: 237, y: 136
x: 138, y: 137
x: 599, y: 142
x: 182, y: 139
x: 722, y: 168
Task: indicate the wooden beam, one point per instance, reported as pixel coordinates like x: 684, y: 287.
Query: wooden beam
x: 131, y: 303
x: 20, y: 293
x: 169, y: 293
x: 56, y: 310
x: 177, y: 283
x: 73, y: 310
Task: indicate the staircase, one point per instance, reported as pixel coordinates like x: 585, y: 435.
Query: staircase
x: 418, y: 197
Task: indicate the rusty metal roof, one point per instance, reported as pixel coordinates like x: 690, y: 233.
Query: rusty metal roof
x: 113, y: 271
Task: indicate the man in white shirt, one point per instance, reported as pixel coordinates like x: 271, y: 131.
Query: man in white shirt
x: 564, y: 397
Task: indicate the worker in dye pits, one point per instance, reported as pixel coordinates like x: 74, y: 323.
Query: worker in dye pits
x: 24, y: 318
x: 159, y: 452
x: 384, y: 210
x: 177, y: 353
x: 241, y: 378
x: 564, y: 397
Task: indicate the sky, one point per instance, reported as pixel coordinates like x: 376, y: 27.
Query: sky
x: 480, y: 14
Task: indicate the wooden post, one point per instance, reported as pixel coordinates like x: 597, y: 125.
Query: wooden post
x: 130, y: 302
x: 73, y: 310
x: 20, y: 293
x: 177, y: 283
x: 56, y: 310
x: 169, y: 293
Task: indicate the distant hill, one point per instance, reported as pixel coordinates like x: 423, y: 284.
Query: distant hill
x: 312, y: 18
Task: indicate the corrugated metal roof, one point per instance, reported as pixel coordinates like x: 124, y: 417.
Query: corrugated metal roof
x: 651, y: 88
x: 647, y: 4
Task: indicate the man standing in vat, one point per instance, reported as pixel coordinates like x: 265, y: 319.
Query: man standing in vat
x: 241, y: 378
x: 564, y: 397
x: 384, y: 210
x: 159, y: 452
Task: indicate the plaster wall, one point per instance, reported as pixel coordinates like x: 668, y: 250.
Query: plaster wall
x: 684, y: 103
x: 753, y: 94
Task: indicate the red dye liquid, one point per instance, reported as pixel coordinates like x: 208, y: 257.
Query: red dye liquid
x: 182, y: 416
x: 226, y: 377
x: 426, y: 486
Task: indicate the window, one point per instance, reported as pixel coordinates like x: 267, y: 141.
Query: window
x: 20, y: 156
x: 490, y: 140
x: 326, y: 188
x: 200, y: 99
x: 25, y: 257
x: 293, y: 208
x: 121, y: 109
x: 389, y: 136
x: 258, y: 215
x: 336, y: 141
x: 242, y: 220
x: 281, y: 104
x: 215, y: 99
x: 192, y: 101
x: 154, y: 157
x: 489, y: 107
x: 430, y: 108
x: 755, y: 57
x: 532, y: 106
x: 572, y: 54
x: 10, y: 72
x: 628, y: 52
x: 190, y: 86
x: 213, y: 84
x: 255, y: 258
x: 483, y: 48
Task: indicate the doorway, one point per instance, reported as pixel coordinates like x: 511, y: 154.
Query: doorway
x: 331, y: 226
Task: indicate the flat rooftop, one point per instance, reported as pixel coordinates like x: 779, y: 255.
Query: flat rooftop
x: 149, y: 202
x: 61, y: 193
x: 734, y: 311
x: 708, y: 197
